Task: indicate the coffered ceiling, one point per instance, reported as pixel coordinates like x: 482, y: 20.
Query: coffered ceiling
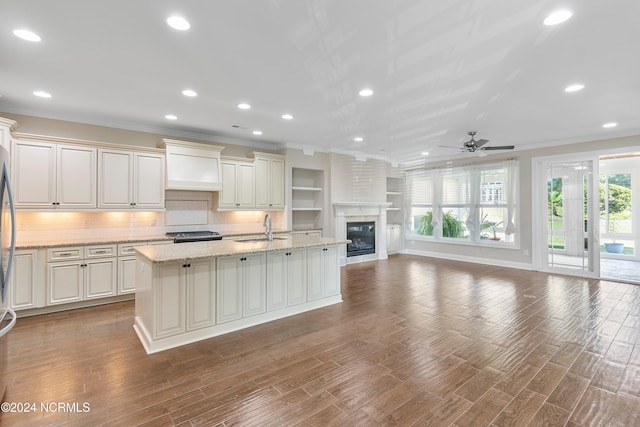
x: 437, y: 69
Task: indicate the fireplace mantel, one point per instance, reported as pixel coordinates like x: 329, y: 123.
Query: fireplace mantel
x: 362, y: 211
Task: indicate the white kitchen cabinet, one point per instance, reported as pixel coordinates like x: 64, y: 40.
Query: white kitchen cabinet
x: 323, y: 272
x: 24, y: 290
x: 130, y: 180
x: 48, y: 175
x: 241, y: 286
x: 201, y: 294
x: 100, y: 278
x: 394, y: 238
x: 286, y: 278
x: 169, y: 293
x: 238, y: 186
x: 126, y: 275
x: 184, y: 297
x: 269, y: 180
x: 78, y: 273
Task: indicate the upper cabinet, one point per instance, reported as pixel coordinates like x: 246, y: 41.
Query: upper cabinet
x: 192, y: 166
x: 58, y: 173
x: 238, y: 188
x: 49, y: 176
x: 130, y: 180
x: 252, y: 185
x: 269, y: 179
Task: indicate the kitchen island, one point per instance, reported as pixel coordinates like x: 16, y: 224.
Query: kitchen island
x: 192, y: 291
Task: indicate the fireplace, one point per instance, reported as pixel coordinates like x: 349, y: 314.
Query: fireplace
x: 363, y: 238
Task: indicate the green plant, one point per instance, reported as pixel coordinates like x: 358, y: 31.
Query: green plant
x: 484, y: 224
x: 451, y: 225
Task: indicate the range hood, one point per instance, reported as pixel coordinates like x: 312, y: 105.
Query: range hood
x: 192, y: 166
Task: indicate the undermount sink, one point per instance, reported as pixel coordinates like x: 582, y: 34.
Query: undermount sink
x: 262, y: 239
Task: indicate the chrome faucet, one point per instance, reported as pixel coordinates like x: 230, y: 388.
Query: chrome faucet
x: 268, y: 227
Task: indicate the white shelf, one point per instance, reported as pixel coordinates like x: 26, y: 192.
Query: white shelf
x: 306, y: 209
x: 393, y: 209
x: 394, y: 193
x: 306, y: 189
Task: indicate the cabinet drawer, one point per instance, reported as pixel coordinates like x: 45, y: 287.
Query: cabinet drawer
x: 100, y: 251
x: 126, y: 249
x: 65, y: 254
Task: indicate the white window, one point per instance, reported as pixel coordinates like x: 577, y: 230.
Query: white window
x: 472, y: 204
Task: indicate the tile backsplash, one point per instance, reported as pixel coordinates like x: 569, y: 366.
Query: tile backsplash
x: 185, y: 211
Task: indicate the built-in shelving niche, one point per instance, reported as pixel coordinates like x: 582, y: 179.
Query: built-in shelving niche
x: 307, y: 198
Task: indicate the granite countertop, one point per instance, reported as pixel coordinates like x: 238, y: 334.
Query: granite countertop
x: 83, y: 241
x: 110, y: 240
x: 201, y: 250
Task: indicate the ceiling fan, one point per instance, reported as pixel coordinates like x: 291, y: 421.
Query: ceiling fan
x: 472, y: 145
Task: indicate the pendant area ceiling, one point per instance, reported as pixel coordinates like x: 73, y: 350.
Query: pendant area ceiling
x: 437, y: 69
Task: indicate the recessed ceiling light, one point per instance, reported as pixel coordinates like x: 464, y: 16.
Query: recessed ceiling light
x: 27, y: 35
x: 257, y: 132
x: 558, y: 17
x: 178, y: 22
x: 366, y: 92
x: 425, y: 153
x: 287, y: 116
x: 574, y: 87
x: 189, y: 92
x: 171, y: 117
x: 610, y: 125
x: 358, y: 139
x: 42, y: 94
x: 244, y: 106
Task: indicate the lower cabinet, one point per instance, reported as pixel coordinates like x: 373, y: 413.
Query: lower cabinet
x: 241, y: 289
x: 286, y: 278
x: 323, y: 272
x: 184, y: 297
x: 394, y: 237
x: 78, y: 273
x: 24, y: 290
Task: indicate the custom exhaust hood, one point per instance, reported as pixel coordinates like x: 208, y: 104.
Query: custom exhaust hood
x: 192, y: 166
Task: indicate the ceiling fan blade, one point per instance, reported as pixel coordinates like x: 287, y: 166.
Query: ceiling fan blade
x: 448, y: 146
x: 501, y: 147
x: 481, y: 142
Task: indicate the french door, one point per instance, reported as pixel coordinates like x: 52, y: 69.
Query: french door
x: 566, y: 209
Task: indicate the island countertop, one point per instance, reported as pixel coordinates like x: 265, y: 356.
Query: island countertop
x: 199, y: 250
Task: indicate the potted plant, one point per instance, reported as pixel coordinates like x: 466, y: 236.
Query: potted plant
x: 490, y: 224
x: 614, y: 247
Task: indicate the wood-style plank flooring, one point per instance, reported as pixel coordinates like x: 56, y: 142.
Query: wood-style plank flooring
x: 416, y: 342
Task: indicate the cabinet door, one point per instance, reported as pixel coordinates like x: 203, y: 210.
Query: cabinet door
x: 255, y: 285
x: 229, y: 288
x: 269, y: 183
x: 297, y: 277
x: 276, y: 184
x: 115, y: 177
x: 23, y: 290
x: 246, y: 194
x: 315, y: 273
x: 331, y: 271
x: 277, y: 280
x: 100, y: 278
x: 34, y: 174
x: 263, y: 186
x: 169, y: 300
x: 324, y: 272
x: 126, y: 275
x: 227, y: 196
x: 201, y: 294
x: 76, y: 176
x: 148, y: 181
x: 65, y: 282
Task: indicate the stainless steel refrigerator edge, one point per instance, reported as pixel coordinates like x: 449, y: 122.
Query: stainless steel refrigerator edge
x: 8, y: 239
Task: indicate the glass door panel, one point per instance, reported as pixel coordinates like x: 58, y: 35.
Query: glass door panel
x: 571, y: 217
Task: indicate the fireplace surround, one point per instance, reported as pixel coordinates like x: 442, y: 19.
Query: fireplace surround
x: 376, y: 212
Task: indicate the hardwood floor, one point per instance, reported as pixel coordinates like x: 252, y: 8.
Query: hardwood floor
x: 416, y: 342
